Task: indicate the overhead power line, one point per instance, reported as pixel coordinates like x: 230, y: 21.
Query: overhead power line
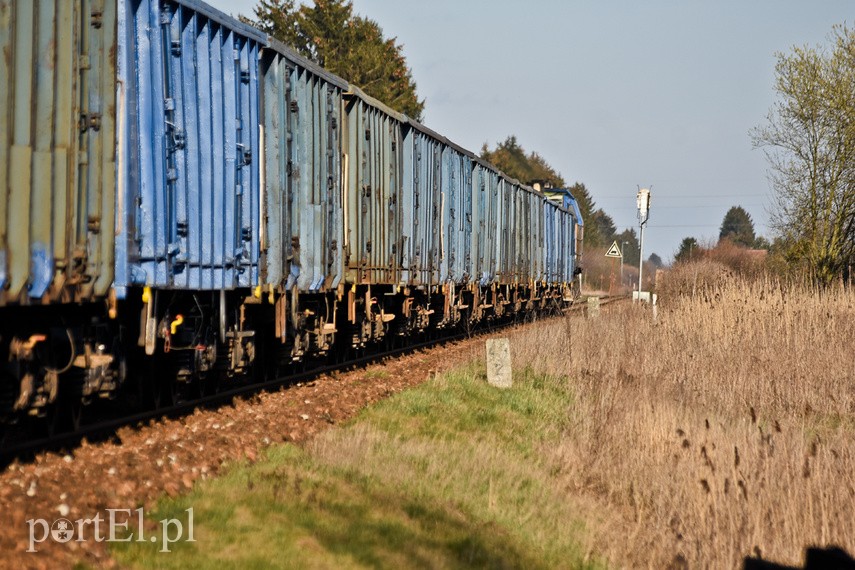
x: 661, y: 197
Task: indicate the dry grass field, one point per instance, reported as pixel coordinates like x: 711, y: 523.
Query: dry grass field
x: 724, y: 429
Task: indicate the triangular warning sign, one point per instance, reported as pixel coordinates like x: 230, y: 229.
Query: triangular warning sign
x: 614, y: 251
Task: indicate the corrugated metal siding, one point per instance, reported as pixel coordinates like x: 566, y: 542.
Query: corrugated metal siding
x: 505, y: 243
x: 456, y: 214
x: 57, y: 149
x: 550, y: 237
x: 409, y: 271
x: 560, y: 241
x: 190, y: 180
x: 303, y: 204
x: 565, y: 242
x: 427, y: 207
x: 372, y: 145
x: 536, y: 251
x: 484, y: 212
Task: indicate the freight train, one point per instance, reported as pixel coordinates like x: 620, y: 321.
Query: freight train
x: 188, y: 202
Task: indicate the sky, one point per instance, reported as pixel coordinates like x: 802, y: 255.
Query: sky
x: 613, y: 94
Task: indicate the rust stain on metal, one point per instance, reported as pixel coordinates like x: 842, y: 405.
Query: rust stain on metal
x: 50, y: 55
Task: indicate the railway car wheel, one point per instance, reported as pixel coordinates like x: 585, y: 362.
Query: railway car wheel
x: 76, y: 412
x: 52, y: 420
x: 179, y: 392
x: 209, y: 384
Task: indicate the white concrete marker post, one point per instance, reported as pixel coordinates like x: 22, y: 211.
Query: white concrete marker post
x: 593, y: 307
x: 499, y: 363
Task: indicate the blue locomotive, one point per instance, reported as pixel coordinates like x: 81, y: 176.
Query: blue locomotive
x: 183, y: 194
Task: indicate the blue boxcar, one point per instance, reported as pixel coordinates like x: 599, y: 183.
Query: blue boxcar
x: 422, y: 201
x: 189, y: 191
x: 457, y: 215
x: 486, y: 194
x: 161, y: 144
x: 374, y: 187
x: 562, y: 202
x: 438, y: 208
x: 301, y: 233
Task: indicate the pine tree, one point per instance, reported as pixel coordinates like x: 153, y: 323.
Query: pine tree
x: 689, y: 250
x: 738, y: 227
x: 351, y: 46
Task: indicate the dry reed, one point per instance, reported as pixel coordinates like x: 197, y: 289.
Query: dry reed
x: 722, y: 430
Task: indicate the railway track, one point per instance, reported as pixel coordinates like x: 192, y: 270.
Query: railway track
x: 142, y: 462
x: 107, y: 427
x: 104, y: 429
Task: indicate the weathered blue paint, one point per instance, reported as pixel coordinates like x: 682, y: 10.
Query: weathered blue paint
x: 190, y: 176
x: 302, y: 233
x: 548, y: 210
x: 41, y: 270
x: 486, y: 192
x: 457, y: 215
x: 425, y: 246
x: 372, y: 140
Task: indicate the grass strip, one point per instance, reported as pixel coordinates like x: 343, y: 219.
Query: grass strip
x: 446, y: 475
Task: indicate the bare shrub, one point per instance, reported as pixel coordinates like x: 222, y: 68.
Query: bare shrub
x: 742, y: 261
x: 691, y: 279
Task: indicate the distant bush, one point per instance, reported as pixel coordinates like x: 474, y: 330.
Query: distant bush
x: 693, y: 278
x: 743, y: 261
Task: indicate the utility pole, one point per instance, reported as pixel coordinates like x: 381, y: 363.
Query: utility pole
x: 622, y: 249
x: 642, y: 200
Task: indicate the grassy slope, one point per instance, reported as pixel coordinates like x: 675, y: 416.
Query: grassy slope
x: 448, y: 475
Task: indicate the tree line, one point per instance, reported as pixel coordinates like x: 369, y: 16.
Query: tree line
x: 809, y: 141
x: 808, y: 136
x: 510, y: 157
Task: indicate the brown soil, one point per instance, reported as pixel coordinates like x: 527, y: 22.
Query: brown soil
x: 169, y: 456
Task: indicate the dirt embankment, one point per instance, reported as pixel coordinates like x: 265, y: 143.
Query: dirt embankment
x: 169, y: 456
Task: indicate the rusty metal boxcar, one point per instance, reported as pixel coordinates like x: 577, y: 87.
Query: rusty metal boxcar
x: 301, y: 237
x: 173, y: 180
x: 57, y: 149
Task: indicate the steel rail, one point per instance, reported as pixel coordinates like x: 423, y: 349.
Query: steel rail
x: 107, y: 428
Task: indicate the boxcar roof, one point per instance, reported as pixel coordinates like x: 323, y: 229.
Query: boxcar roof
x: 292, y: 55
x: 224, y: 19
x: 353, y: 89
